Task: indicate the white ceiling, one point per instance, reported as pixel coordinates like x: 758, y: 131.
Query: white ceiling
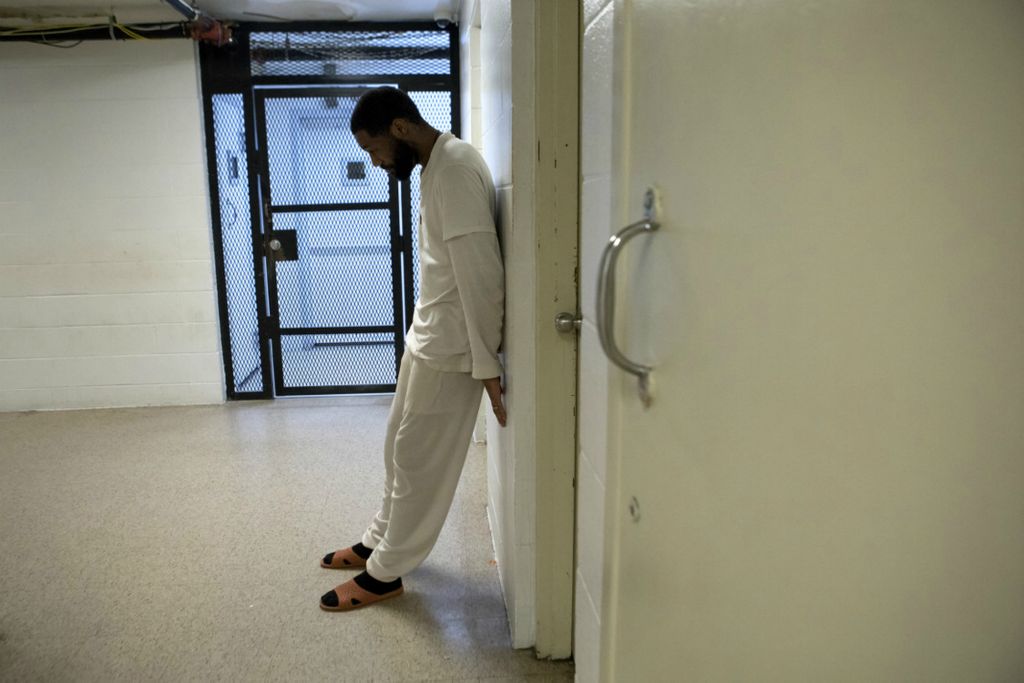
x: 139, y: 11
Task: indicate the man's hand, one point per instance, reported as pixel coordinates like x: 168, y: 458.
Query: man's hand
x: 494, y: 390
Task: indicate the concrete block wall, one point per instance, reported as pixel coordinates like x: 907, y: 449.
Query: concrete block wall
x: 507, y: 133
x: 469, y: 72
x: 107, y: 294
x: 496, y: 137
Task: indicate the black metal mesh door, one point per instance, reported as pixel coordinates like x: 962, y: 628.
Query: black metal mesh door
x: 244, y: 355
x: 334, y: 247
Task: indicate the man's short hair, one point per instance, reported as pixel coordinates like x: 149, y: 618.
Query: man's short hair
x: 377, y: 108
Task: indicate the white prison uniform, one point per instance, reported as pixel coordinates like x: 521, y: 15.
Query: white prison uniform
x: 451, y: 345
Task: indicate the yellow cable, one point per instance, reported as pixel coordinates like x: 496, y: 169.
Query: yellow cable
x: 127, y: 31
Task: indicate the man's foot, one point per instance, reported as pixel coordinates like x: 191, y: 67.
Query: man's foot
x: 349, y: 558
x: 362, y: 591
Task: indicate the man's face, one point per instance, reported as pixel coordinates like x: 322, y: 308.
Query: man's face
x: 396, y: 157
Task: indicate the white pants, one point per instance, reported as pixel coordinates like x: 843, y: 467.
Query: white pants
x: 428, y: 434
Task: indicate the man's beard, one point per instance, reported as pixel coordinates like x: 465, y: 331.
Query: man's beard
x: 405, y: 160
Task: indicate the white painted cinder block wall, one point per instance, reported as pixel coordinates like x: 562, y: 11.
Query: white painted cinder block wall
x: 469, y: 72
x: 471, y: 111
x: 511, y: 467
x: 595, y: 228
x: 107, y: 293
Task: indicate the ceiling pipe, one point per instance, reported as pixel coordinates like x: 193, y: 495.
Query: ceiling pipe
x: 184, y: 9
x: 202, y: 27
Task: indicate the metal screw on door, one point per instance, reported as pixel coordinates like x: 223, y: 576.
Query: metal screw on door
x: 634, y: 509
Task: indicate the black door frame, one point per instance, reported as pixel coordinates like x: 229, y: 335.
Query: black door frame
x: 227, y: 70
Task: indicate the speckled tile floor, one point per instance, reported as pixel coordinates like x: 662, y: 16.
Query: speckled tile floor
x: 182, y: 544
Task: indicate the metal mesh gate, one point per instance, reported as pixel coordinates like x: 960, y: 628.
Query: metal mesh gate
x: 351, y: 53
x: 243, y: 359
x: 317, y: 264
x: 335, y: 281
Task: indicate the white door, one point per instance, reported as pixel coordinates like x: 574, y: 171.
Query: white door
x: 829, y: 481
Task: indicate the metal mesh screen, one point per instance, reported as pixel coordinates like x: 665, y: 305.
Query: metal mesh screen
x: 350, y: 53
x: 336, y: 284
x: 338, y: 360
x: 314, y: 159
x: 343, y: 274
x: 236, y: 236
x: 436, y: 109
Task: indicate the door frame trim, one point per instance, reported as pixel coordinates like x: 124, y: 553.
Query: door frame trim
x: 556, y: 221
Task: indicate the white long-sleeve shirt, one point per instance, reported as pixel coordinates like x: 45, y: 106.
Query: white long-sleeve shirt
x: 457, y: 323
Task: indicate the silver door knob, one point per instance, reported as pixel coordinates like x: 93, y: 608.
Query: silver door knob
x: 275, y: 245
x: 568, y: 322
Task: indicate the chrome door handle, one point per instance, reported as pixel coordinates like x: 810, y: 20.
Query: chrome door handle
x: 606, y: 305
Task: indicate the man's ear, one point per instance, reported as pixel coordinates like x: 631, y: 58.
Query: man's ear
x: 400, y: 129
